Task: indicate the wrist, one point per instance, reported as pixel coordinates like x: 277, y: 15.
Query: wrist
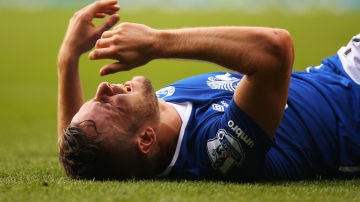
x: 67, y: 60
x: 68, y: 49
x: 162, y: 43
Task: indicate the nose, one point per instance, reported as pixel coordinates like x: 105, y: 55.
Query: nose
x: 104, y: 90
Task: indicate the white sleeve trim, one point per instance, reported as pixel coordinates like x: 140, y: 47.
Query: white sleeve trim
x: 349, y: 169
x: 350, y: 58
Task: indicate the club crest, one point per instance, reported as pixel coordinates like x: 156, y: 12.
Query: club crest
x: 223, y: 82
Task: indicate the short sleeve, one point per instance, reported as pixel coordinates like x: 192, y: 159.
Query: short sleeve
x: 239, y: 146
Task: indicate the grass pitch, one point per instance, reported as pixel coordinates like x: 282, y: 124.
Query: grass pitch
x: 29, y: 169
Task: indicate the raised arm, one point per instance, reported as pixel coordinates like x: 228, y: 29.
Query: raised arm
x: 264, y: 55
x: 80, y: 37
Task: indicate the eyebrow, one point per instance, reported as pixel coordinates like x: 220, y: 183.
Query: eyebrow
x: 89, y: 124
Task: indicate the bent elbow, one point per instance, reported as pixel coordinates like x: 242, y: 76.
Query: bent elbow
x: 275, y: 53
x: 283, y: 50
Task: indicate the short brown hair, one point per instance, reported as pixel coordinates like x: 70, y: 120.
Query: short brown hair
x: 82, y: 155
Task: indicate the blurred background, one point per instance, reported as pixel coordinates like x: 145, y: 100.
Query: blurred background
x: 31, y: 32
x: 297, y: 6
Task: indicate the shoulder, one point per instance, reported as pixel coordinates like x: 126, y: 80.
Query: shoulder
x: 200, y: 87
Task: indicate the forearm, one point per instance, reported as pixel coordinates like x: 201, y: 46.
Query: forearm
x: 70, y: 96
x: 263, y: 55
x: 242, y: 49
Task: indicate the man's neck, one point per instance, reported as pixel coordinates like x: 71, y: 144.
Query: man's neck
x: 168, y: 133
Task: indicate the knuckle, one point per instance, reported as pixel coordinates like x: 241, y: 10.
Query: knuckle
x: 76, y: 16
x: 123, y: 25
x: 77, y: 13
x: 117, y: 39
x: 97, y: 3
x: 105, y: 34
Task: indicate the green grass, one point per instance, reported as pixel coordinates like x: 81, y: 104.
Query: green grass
x: 29, y: 170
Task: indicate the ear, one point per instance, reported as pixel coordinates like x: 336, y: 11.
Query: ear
x: 145, y: 140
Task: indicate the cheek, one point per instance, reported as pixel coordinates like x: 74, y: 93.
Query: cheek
x: 147, y: 108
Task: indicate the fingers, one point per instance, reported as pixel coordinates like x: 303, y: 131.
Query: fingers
x: 103, y: 43
x: 100, y: 9
x: 113, y: 68
x: 107, y: 34
x: 111, y: 21
x: 102, y: 53
x: 110, y: 11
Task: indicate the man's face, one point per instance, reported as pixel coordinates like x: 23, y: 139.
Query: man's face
x: 116, y: 107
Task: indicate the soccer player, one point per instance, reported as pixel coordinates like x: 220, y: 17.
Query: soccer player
x: 261, y: 121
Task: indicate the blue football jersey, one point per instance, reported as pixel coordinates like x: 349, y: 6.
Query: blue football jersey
x: 218, y: 138
x: 319, y: 133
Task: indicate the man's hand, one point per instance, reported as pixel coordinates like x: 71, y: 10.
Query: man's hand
x: 82, y: 34
x: 129, y: 43
x: 80, y: 37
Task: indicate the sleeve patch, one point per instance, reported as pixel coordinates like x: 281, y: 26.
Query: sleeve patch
x: 165, y: 92
x: 225, y: 151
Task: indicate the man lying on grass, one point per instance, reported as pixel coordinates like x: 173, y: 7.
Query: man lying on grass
x: 260, y: 122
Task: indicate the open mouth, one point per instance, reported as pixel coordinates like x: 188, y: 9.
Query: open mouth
x: 120, y: 88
